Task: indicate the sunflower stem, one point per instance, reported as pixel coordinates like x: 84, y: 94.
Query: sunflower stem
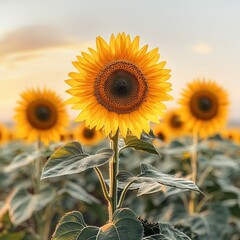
x: 192, y: 201
x: 124, y: 192
x: 113, y: 171
x: 38, y: 167
x: 103, y: 184
x: 38, y: 217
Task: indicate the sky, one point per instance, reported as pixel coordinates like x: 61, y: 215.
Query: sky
x: 40, y: 39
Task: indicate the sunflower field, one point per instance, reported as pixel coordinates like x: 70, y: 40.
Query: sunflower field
x: 127, y: 167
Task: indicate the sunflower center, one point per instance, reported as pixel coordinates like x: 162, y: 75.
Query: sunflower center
x: 161, y: 136
x: 204, y: 105
x: 176, y: 121
x: 120, y: 87
x: 88, y: 133
x: 42, y: 114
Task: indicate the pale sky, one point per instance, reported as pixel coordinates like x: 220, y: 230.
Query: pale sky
x: 40, y: 39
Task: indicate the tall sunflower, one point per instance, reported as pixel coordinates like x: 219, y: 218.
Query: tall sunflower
x: 41, y: 114
x: 174, y: 122
x: 88, y: 136
x: 204, y: 106
x: 119, y: 85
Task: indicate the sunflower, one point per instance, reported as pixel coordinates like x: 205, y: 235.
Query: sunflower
x: 67, y: 136
x: 204, y: 107
x: 3, y: 134
x: 174, y: 122
x: 231, y: 134
x: 41, y: 115
x: 87, y: 136
x: 119, y: 85
x: 162, y: 133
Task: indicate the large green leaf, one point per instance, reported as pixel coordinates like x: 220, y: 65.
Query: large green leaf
x: 124, y: 226
x: 71, y: 159
x: 150, y: 181
x: 69, y: 227
x: 132, y: 141
x: 23, y: 204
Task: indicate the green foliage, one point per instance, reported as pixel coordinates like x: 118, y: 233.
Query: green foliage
x: 132, y: 141
x: 167, y: 232
x: 210, y: 224
x: 22, y: 204
x: 12, y: 236
x: 125, y: 225
x: 71, y: 159
x: 150, y: 180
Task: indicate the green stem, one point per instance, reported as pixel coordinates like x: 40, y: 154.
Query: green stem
x: 113, y: 171
x: 122, y: 197
x: 192, y: 202
x: 38, y: 168
x: 204, y: 175
x: 103, y: 184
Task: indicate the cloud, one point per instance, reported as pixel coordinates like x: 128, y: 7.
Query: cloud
x: 20, y: 44
x: 201, y: 48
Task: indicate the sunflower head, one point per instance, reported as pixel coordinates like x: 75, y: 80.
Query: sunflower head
x: 119, y: 85
x: 231, y: 134
x: 174, y: 122
x: 161, y: 131
x: 87, y: 136
x: 204, y: 106
x: 41, y: 115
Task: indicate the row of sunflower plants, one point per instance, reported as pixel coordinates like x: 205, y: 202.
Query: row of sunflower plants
x: 29, y: 208
x: 216, y: 214
x: 118, y: 89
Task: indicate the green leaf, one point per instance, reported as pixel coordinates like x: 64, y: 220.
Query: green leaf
x: 76, y: 191
x: 211, y: 224
x: 172, y: 233
x: 132, y: 141
x: 22, y: 204
x: 69, y: 226
x: 151, y: 181
x: 221, y: 161
x: 70, y: 159
x: 124, y: 226
x: 22, y: 160
x: 167, y: 232
x: 12, y: 236
x: 151, y: 175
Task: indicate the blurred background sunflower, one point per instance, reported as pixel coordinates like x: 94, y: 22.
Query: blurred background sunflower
x: 161, y: 132
x: 3, y: 133
x: 232, y: 134
x: 87, y: 136
x: 41, y: 115
x: 175, y: 124
x: 204, y: 107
